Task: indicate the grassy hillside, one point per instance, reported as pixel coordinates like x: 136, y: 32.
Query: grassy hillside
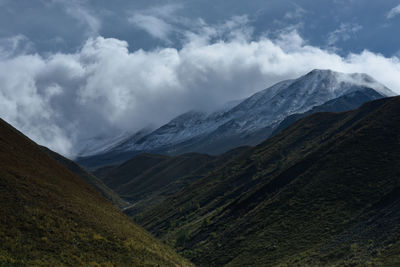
x: 88, y: 177
x: 51, y: 217
x: 324, y: 191
x: 147, y: 179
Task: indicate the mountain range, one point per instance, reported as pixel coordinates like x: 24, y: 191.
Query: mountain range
x: 323, y: 189
x: 147, y: 179
x: 248, y: 122
x: 304, y: 173
x: 323, y: 192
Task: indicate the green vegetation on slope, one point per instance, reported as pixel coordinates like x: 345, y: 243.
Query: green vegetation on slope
x: 325, y: 191
x: 51, y: 217
x: 147, y: 179
x: 88, y: 177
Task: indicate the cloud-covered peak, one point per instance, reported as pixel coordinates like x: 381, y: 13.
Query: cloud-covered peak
x: 105, y: 88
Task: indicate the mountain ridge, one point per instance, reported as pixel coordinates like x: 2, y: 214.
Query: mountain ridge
x: 320, y: 192
x: 146, y: 179
x: 247, y: 123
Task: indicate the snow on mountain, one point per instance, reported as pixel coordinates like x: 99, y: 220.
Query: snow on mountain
x: 266, y: 108
x: 102, y: 144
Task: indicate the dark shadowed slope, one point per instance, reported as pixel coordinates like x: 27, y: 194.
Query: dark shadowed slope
x: 324, y: 191
x: 51, y: 217
x: 88, y: 177
x: 147, y: 179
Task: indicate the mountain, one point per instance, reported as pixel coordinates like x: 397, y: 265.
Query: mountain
x: 346, y: 102
x: 247, y: 123
x: 104, y: 143
x: 88, y: 177
x: 324, y: 191
x: 146, y: 179
x: 51, y: 217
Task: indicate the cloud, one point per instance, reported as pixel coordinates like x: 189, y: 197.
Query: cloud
x: 156, y: 27
x: 157, y: 21
x: 11, y: 46
x: 163, y: 21
x: 343, y: 33
x: 295, y: 14
x: 104, y: 89
x: 78, y: 10
x: 393, y: 12
x: 25, y: 106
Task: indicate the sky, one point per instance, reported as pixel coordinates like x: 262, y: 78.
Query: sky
x: 73, y: 70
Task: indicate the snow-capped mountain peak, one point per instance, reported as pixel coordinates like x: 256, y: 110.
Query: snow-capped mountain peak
x: 252, y: 119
